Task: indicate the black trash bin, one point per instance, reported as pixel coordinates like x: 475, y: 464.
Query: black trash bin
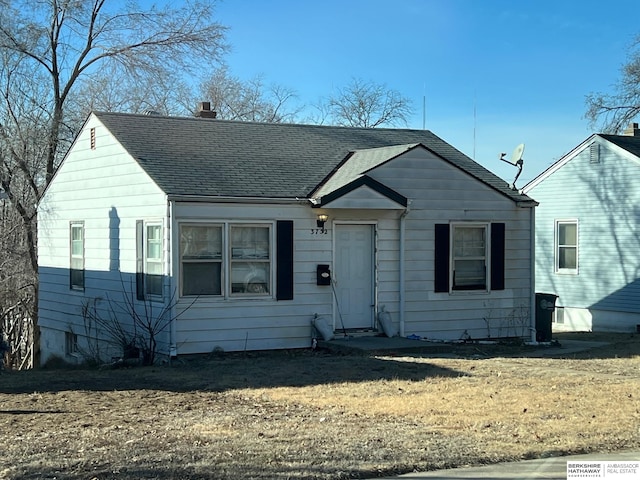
x: 545, y: 306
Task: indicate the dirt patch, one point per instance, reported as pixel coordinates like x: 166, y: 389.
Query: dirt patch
x: 310, y: 415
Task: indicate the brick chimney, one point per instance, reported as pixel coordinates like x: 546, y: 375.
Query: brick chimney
x: 204, y: 110
x: 632, y: 130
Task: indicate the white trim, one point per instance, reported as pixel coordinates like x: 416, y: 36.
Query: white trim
x: 595, y: 138
x: 559, y: 164
x: 241, y: 200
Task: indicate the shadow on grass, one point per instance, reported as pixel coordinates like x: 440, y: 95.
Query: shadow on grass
x: 299, y: 368
x: 210, y: 472
x: 31, y: 412
x: 226, y: 372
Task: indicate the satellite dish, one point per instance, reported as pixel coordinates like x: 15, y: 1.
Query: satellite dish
x: 516, y: 156
x: 516, y: 161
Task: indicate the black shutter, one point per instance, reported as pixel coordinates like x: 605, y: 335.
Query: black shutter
x: 140, y: 259
x: 284, y: 260
x: 497, y: 256
x: 441, y: 258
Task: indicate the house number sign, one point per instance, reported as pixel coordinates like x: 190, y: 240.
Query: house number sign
x: 319, y: 231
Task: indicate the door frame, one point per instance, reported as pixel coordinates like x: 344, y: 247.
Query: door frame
x: 374, y: 267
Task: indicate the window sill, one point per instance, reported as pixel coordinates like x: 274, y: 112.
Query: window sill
x: 469, y: 292
x: 566, y: 272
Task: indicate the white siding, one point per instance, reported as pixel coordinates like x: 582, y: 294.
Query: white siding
x: 256, y: 324
x: 253, y: 324
x: 441, y: 193
x: 108, y: 191
x: 94, y: 184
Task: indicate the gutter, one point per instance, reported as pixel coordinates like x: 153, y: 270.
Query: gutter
x: 401, y: 285
x: 232, y: 199
x: 532, y: 316
x: 173, y: 348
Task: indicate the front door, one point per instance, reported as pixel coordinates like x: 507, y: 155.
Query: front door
x: 354, y: 274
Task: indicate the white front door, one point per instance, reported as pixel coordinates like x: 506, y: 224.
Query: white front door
x: 353, y: 272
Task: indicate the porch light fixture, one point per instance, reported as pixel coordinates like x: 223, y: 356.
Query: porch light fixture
x: 322, y: 218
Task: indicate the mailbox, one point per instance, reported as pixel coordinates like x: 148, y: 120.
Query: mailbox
x: 323, y: 275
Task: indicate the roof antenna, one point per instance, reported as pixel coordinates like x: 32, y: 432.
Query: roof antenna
x: 516, y: 161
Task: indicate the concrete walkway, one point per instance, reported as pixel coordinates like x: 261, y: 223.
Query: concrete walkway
x: 553, y: 468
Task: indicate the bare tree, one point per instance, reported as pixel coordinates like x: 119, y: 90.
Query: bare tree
x: 612, y: 112
x: 250, y: 101
x: 51, y: 51
x: 366, y: 104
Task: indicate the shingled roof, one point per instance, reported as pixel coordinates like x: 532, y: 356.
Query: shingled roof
x: 630, y: 143
x: 208, y: 157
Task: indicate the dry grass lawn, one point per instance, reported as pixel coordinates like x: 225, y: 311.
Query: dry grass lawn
x: 311, y: 415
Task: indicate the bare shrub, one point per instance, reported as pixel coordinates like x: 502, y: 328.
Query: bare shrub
x: 133, y: 325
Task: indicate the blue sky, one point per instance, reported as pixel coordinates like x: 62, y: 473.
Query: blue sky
x: 492, y: 73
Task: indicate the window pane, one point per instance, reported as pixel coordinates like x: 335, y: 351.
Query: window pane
x: 250, y: 278
x: 567, y: 258
x: 77, y: 242
x: 200, y: 242
x: 469, y: 242
x: 567, y: 234
x: 76, y: 257
x: 153, y: 284
x: 77, y: 278
x: 201, y: 278
x: 154, y: 242
x: 250, y: 242
x: 469, y: 274
x: 76, y: 232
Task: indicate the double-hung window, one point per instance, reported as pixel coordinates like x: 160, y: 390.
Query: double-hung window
x: 76, y: 256
x: 153, y: 260
x: 469, y: 257
x: 201, y: 259
x: 149, y: 259
x: 250, y: 259
x: 566, y: 246
x: 226, y: 259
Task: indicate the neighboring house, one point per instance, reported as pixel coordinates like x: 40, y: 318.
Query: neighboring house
x: 221, y: 222
x: 588, y: 234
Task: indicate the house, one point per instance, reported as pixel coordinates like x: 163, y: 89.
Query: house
x: 588, y: 235
x: 242, y: 233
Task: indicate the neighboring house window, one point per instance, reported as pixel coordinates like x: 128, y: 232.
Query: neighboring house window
x: 149, y: 264
x: 76, y: 260
x: 469, y: 256
x: 566, y: 246
x: 558, y: 316
x: 245, y: 269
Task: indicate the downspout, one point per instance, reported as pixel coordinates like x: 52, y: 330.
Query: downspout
x: 172, y: 294
x: 532, y: 316
x: 402, y: 266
